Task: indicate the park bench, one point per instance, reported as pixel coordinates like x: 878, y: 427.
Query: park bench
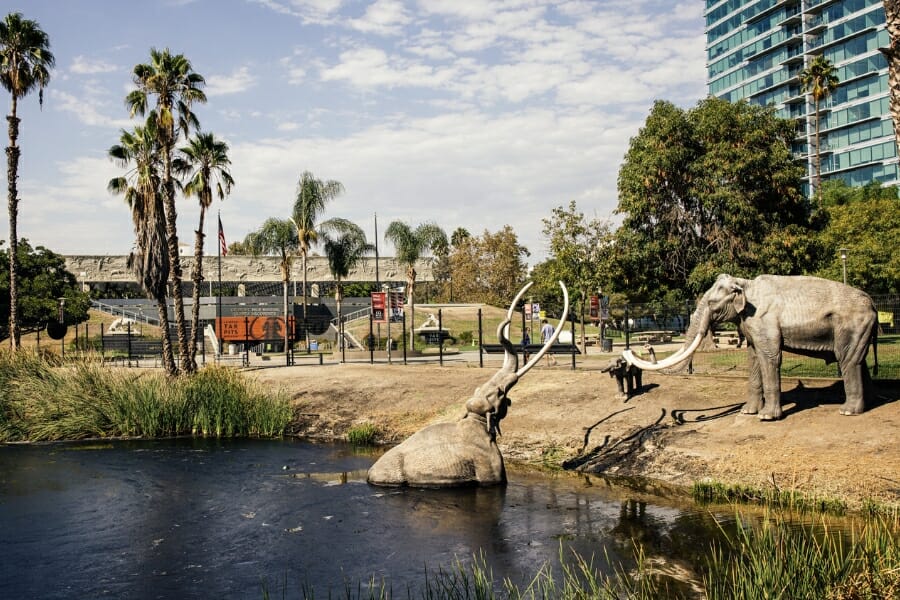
x: 533, y: 348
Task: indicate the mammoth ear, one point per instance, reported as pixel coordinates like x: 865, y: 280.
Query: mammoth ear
x: 740, y: 301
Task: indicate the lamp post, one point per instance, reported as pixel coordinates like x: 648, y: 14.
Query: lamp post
x: 844, y: 264
x: 62, y: 320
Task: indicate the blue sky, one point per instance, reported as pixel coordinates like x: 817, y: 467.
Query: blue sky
x: 467, y: 113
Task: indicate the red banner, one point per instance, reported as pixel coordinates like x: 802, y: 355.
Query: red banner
x: 379, y: 314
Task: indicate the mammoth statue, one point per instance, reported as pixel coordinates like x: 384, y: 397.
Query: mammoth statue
x: 810, y: 316
x: 464, y: 452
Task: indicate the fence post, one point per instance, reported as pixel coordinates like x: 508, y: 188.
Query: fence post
x: 128, y: 334
x: 246, y: 360
x: 372, y: 341
x: 404, y: 337
x: 627, y: 330
x: 440, y: 338
x: 480, y: 342
x: 102, y: 344
x: 572, y: 330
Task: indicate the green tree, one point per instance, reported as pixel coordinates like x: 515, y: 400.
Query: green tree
x: 490, y: 268
x: 44, y: 281
x: 312, y: 196
x: 25, y: 63
x: 345, y: 246
x: 204, y: 162
x: 172, y: 80
x: 139, y: 153
x: 277, y: 237
x: 412, y: 245
x: 578, y: 249
x: 865, y: 221
x: 819, y: 80
x: 700, y: 192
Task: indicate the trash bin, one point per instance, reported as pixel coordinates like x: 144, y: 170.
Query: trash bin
x: 313, y: 345
x: 606, y: 345
x: 232, y: 349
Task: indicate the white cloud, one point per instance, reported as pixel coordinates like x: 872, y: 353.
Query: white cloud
x: 240, y: 80
x: 81, y: 65
x: 87, y: 109
x: 383, y: 17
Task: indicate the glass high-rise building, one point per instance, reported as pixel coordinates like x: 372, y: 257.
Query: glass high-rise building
x: 756, y: 49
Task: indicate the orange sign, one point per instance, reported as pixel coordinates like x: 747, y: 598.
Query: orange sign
x: 256, y: 329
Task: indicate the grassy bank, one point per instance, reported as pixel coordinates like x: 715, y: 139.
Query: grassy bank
x: 43, y: 402
x: 759, y: 559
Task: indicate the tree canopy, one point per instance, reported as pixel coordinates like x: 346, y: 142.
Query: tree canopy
x: 703, y: 191
x: 44, y: 280
x: 489, y: 268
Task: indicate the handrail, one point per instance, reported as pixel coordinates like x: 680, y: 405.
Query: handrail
x: 137, y: 317
x: 362, y: 313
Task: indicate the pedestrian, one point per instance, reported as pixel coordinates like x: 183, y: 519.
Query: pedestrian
x: 546, y: 334
x: 526, y: 339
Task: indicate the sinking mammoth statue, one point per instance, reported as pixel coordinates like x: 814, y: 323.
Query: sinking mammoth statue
x: 804, y: 315
x: 464, y: 452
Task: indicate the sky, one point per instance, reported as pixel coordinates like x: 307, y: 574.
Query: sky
x: 465, y: 113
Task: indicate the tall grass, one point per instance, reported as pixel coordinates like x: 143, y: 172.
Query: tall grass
x: 777, y: 559
x: 41, y: 402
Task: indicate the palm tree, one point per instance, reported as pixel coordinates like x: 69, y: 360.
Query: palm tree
x: 345, y: 245
x: 204, y: 161
x: 411, y: 245
x: 176, y: 86
x: 277, y: 237
x: 138, y: 152
x: 25, y: 63
x: 819, y: 79
x: 312, y: 195
x: 892, y: 53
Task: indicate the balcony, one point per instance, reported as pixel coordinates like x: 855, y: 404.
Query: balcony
x: 815, y: 25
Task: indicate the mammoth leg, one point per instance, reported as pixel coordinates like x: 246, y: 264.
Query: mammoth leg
x: 754, y: 401
x: 770, y: 372
x: 638, y: 378
x: 853, y: 367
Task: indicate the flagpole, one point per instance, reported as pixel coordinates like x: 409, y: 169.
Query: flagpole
x: 219, y: 291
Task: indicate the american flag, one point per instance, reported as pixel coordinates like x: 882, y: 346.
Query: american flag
x: 223, y: 247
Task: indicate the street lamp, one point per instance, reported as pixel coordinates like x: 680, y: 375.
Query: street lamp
x: 844, y: 264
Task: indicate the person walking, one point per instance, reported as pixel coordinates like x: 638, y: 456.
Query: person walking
x: 526, y: 339
x: 546, y: 334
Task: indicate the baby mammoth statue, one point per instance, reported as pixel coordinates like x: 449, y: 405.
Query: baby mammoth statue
x: 464, y: 452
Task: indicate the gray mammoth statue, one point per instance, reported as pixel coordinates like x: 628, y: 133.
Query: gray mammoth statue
x: 464, y: 452
x: 810, y: 316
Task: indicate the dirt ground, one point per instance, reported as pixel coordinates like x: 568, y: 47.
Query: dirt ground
x: 680, y: 429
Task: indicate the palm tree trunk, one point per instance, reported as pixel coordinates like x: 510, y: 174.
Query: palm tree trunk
x: 12, y: 174
x: 168, y: 358
x: 338, y: 298
x: 284, y: 292
x: 303, y: 293
x: 172, y: 245
x: 197, y: 277
x: 818, y: 153
x: 411, y: 284
x: 892, y: 53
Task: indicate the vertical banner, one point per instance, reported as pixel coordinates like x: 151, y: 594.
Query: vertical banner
x: 536, y: 312
x: 379, y: 314
x: 396, y: 306
x: 595, y: 308
x: 528, y: 311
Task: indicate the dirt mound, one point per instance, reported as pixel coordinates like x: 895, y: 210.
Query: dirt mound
x: 680, y: 429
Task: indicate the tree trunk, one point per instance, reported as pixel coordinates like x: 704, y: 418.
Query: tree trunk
x: 12, y: 174
x: 338, y: 299
x: 172, y: 245
x: 285, y: 280
x: 197, y: 278
x: 892, y: 53
x: 411, y: 284
x: 168, y: 357
x: 303, y: 252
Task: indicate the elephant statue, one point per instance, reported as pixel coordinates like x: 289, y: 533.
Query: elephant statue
x: 464, y: 452
x: 628, y: 377
x: 810, y: 316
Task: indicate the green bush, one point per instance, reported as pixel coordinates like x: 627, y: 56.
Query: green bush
x: 363, y: 435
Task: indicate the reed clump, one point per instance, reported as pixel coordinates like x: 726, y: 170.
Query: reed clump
x: 43, y: 402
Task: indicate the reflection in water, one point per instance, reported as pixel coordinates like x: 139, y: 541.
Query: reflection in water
x: 198, y: 519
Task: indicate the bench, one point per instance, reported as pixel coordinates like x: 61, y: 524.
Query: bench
x: 533, y: 348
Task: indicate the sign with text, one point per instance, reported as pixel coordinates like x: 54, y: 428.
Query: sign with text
x: 595, y: 308
x: 254, y: 329
x: 379, y: 314
x: 396, y: 307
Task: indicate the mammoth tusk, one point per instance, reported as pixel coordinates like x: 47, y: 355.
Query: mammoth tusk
x: 534, y: 359
x: 509, y: 354
x: 665, y: 363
